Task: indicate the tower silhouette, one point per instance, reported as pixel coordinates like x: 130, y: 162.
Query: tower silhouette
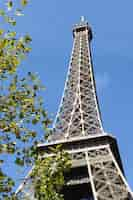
x: 97, y: 172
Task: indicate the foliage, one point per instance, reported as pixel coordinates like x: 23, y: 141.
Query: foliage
x: 48, y: 174
x: 21, y: 109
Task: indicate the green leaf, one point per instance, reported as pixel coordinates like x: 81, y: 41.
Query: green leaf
x: 2, y: 12
x: 46, y: 122
x: 36, y: 119
x: 21, y: 115
x: 9, y: 5
x: 10, y: 20
x: 10, y: 182
x: 36, y: 87
x: 1, y: 31
x: 24, y: 2
x: 19, y: 161
x: 27, y: 39
x: 11, y: 34
x: 32, y: 133
x: 1, y: 161
x: 44, y: 113
x: 12, y: 87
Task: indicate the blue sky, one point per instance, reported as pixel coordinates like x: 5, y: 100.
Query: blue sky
x: 50, y: 24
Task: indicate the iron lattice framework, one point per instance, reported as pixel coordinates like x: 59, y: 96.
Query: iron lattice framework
x: 78, y: 113
x: 78, y: 128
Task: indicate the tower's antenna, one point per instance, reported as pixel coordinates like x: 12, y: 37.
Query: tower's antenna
x: 82, y: 19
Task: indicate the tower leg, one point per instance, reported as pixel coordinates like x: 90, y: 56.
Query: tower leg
x: 107, y: 180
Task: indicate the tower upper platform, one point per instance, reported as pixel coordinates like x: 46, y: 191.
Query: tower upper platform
x: 83, y: 25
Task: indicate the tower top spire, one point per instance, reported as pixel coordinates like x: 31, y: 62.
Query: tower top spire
x: 82, y: 19
x: 81, y: 27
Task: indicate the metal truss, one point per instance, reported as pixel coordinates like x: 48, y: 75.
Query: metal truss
x: 78, y: 113
x: 105, y: 176
x: 26, y: 190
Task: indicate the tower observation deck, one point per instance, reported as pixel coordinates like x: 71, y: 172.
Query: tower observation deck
x: 97, y: 172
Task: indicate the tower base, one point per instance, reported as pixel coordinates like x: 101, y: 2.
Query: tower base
x: 96, y: 172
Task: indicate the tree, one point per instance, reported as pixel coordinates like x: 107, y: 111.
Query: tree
x: 22, y: 108
x: 46, y: 180
x: 48, y: 174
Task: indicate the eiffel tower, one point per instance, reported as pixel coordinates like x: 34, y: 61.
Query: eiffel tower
x: 97, y: 172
